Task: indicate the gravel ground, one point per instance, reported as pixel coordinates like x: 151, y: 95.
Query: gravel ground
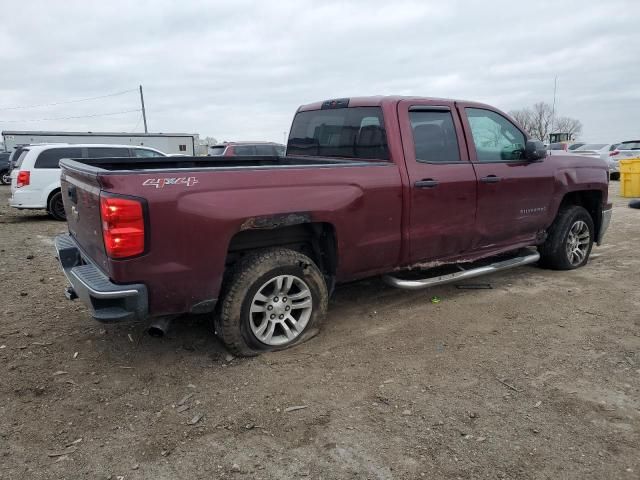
x: 537, y: 377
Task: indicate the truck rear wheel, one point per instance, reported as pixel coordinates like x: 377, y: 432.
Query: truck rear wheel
x: 274, y: 299
x: 570, y: 240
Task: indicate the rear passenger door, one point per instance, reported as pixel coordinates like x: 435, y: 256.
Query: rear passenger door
x: 442, y: 182
x: 513, y: 194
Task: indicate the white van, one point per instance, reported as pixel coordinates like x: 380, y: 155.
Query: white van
x: 35, y: 178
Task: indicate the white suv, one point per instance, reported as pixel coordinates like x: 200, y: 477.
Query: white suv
x: 35, y: 178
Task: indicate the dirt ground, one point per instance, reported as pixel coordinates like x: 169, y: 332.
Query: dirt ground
x: 538, y: 377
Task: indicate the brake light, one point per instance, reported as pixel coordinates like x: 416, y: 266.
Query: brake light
x: 23, y: 179
x: 614, y: 153
x: 122, y: 226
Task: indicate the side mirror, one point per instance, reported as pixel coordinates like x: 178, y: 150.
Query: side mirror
x: 534, y: 150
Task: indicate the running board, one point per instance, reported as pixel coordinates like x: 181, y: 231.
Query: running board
x: 462, y: 275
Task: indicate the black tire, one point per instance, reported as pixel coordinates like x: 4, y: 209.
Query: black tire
x: 55, y: 207
x: 634, y: 204
x: 554, y: 253
x: 5, y: 177
x: 235, y: 323
x: 615, y: 176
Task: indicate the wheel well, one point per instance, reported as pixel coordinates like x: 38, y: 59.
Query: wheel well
x: 590, y: 200
x: 315, y: 240
x: 53, y: 192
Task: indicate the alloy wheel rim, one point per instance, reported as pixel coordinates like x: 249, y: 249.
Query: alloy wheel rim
x: 280, y: 310
x: 578, y: 241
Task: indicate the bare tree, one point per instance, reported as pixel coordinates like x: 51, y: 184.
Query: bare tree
x: 541, y: 115
x: 208, y: 141
x: 569, y: 125
x: 537, y: 122
x: 523, y: 117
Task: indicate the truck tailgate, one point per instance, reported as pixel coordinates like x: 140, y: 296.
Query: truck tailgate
x: 81, y: 198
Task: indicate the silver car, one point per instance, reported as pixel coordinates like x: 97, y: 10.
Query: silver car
x: 623, y: 151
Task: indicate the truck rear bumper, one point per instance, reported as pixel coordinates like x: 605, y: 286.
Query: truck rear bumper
x: 107, y: 301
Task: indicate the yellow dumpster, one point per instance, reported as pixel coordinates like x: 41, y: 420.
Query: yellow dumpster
x: 630, y: 177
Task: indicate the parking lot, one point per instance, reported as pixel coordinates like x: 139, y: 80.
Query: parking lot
x: 537, y: 377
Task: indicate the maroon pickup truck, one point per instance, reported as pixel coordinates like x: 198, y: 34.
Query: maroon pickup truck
x: 390, y: 186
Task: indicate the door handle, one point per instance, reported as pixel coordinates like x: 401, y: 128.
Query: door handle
x: 490, y: 179
x: 427, y: 183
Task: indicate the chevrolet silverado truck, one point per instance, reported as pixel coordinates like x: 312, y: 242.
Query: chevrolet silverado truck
x: 391, y: 186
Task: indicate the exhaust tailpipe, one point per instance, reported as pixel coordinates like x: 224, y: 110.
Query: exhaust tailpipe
x: 160, y: 326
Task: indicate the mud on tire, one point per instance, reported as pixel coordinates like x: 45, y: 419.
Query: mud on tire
x: 273, y: 299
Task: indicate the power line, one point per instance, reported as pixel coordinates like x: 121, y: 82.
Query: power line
x: 21, y: 107
x: 70, y: 118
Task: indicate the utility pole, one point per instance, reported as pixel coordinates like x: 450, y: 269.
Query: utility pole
x: 144, y: 113
x: 553, y: 108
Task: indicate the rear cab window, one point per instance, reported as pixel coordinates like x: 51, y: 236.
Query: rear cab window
x: 354, y: 132
x: 51, y: 158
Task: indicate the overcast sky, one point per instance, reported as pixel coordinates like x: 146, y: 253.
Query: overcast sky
x: 237, y: 70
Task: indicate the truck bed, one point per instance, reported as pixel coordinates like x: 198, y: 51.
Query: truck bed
x: 124, y: 164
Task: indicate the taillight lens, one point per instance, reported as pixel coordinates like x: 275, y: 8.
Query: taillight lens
x: 122, y: 226
x: 23, y: 179
x: 614, y: 153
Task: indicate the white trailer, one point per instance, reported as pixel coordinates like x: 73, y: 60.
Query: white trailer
x: 183, y: 143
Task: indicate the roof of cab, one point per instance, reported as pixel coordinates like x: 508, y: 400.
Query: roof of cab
x: 379, y: 100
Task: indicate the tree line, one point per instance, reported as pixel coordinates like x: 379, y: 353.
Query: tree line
x: 538, y: 121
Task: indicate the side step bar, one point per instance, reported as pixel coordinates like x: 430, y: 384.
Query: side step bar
x: 531, y: 257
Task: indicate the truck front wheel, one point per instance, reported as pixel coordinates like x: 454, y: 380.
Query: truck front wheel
x: 569, y: 241
x: 274, y: 299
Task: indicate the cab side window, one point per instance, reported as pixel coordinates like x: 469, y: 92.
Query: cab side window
x: 244, y: 150
x: 143, y: 153
x: 106, y: 152
x: 51, y: 158
x: 496, y: 139
x: 434, y: 136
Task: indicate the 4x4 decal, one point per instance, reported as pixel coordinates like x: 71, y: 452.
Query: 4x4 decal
x: 162, y: 182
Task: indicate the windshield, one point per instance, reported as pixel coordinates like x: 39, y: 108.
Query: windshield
x: 629, y: 146
x: 591, y: 146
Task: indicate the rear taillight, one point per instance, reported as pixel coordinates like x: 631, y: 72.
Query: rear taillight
x: 122, y: 226
x: 614, y: 153
x: 23, y: 179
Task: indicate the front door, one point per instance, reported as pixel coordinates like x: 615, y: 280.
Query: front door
x: 442, y: 182
x: 514, y: 194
